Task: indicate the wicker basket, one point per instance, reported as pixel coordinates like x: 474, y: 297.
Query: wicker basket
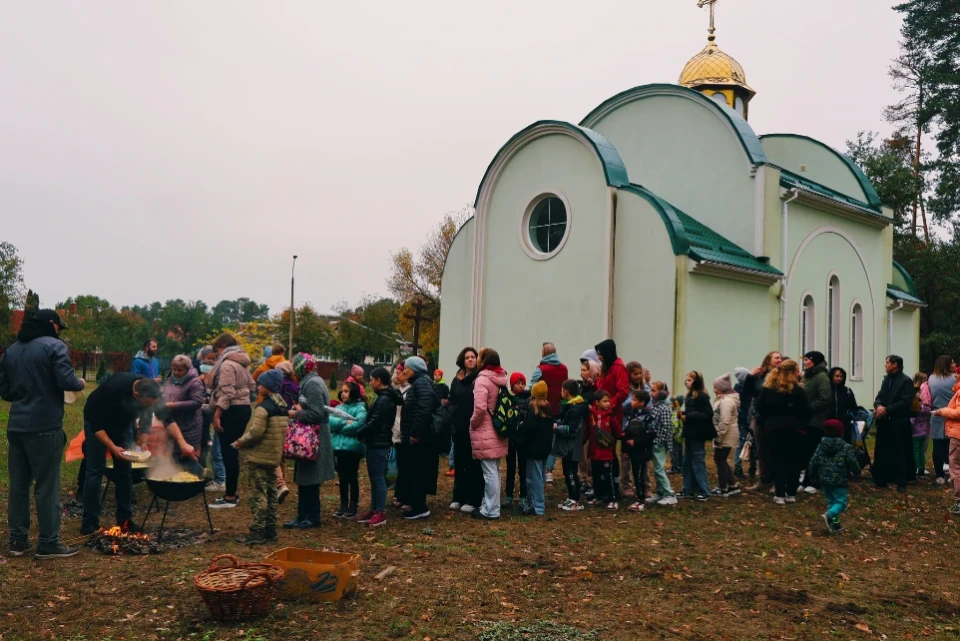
x: 237, y: 591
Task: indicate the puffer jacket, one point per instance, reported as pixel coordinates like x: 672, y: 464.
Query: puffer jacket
x: 343, y: 433
x: 187, y: 398
x: 698, y: 418
x: 419, y: 404
x: 267, y: 365
x: 232, y: 383
x: 951, y: 414
x: 832, y: 461
x: 377, y: 428
x: 262, y: 442
x: 816, y: 383
x: 568, y: 433
x: 726, y: 409
x: 486, y: 444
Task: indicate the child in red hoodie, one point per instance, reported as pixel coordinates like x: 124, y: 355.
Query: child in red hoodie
x: 602, y: 434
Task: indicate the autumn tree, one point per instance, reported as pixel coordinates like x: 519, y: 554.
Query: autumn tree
x: 368, y: 329
x: 11, y: 289
x: 311, y: 331
x: 419, y: 277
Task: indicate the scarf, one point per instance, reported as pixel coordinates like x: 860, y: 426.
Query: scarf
x: 223, y: 357
x: 303, y: 364
x: 576, y: 400
x: 496, y: 369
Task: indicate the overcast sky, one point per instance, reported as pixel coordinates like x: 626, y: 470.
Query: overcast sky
x: 185, y: 149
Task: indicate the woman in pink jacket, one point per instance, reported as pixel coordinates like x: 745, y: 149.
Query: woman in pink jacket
x: 488, y: 447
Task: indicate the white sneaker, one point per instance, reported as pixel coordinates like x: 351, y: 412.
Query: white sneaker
x: 668, y: 500
x: 779, y: 500
x: 803, y: 475
x: 946, y: 467
x: 548, y: 477
x: 637, y: 507
x: 455, y: 506
x: 467, y: 509
x: 791, y: 499
x: 572, y: 506
x: 213, y: 486
x: 941, y: 480
x: 613, y: 506
x: 652, y: 499
x: 810, y: 489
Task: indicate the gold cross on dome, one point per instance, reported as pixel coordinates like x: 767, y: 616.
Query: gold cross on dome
x: 702, y: 4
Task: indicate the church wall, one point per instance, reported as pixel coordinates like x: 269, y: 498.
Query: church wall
x: 728, y: 326
x: 829, y: 253
x: 822, y: 165
x: 561, y: 300
x: 687, y: 154
x: 644, y: 287
x: 457, y: 288
x: 906, y: 325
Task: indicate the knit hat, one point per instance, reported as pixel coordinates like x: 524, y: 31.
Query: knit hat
x: 517, y: 377
x: 741, y: 374
x: 833, y: 428
x: 285, y: 368
x: 357, y: 373
x: 723, y: 384
x: 539, y: 390
x: 438, y: 372
x: 816, y: 357
x: 416, y: 364
x: 590, y: 356
x: 271, y: 379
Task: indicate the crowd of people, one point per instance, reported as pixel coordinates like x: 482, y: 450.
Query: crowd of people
x: 618, y: 433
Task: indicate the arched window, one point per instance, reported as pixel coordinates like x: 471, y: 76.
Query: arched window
x: 833, y: 321
x: 856, y: 342
x: 720, y: 98
x: 807, y: 329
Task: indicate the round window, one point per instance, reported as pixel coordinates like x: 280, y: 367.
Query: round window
x: 547, y: 225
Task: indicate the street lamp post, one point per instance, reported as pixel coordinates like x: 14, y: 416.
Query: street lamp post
x: 292, y: 270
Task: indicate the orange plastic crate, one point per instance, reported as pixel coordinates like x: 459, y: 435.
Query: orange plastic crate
x: 312, y: 575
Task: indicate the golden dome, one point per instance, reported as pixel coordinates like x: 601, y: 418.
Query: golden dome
x: 713, y: 67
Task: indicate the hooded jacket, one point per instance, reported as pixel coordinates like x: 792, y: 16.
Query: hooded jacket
x: 419, y: 404
x: 605, y: 420
x: 552, y: 372
x: 842, y: 400
x: 145, y: 366
x: 187, y: 398
x: 377, y: 428
x: 263, y: 439
x: 34, y: 374
x: 615, y: 379
x: 698, y: 418
x: 232, y: 383
x: 344, y: 434
x: 816, y: 384
x: 833, y: 462
x: 725, y: 420
x: 951, y: 415
x: 568, y: 442
x: 484, y: 440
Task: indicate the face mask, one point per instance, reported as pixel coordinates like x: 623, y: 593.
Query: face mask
x: 206, y: 369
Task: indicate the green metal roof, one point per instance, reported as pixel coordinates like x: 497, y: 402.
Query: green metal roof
x: 690, y: 237
x: 614, y: 169
x: 791, y: 180
x: 906, y: 276
x: 873, y: 199
x: 898, y: 294
x: 748, y: 138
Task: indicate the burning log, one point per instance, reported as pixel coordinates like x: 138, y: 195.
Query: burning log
x: 116, y: 541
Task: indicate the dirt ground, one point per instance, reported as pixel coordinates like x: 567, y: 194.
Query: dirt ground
x: 738, y: 568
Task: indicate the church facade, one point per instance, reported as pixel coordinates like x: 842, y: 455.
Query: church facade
x: 663, y: 221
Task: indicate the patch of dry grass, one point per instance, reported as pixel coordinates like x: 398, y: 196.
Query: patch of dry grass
x: 739, y: 568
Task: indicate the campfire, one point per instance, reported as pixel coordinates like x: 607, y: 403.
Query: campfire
x: 117, y: 541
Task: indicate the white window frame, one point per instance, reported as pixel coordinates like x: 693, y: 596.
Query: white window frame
x: 808, y: 323
x: 856, y: 341
x: 527, y: 243
x: 834, y: 299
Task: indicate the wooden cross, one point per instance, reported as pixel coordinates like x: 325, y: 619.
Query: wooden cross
x: 417, y: 318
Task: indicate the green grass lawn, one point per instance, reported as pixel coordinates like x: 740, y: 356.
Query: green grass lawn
x: 739, y: 569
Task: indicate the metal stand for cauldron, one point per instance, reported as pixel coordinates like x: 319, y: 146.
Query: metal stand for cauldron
x: 166, y: 508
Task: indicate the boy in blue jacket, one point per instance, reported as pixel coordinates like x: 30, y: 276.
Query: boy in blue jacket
x: 832, y: 464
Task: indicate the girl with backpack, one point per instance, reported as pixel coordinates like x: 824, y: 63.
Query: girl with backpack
x: 488, y: 447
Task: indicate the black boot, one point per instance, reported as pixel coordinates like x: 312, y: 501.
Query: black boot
x: 351, y: 512
x: 270, y: 533
x: 253, y: 538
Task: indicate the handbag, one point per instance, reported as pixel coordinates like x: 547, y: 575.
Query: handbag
x: 302, y: 442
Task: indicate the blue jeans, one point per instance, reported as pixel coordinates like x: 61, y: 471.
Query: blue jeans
x: 377, y: 471
x: 836, y: 500
x: 216, y: 460
x: 535, y: 485
x: 450, y: 458
x: 695, y: 468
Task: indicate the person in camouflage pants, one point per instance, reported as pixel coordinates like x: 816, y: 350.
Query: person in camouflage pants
x: 262, y: 483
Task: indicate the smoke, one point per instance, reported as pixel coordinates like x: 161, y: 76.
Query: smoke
x: 162, y: 465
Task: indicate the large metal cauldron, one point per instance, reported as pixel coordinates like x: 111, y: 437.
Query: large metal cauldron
x: 173, y: 491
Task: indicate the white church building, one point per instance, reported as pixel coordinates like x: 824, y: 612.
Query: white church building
x: 663, y: 221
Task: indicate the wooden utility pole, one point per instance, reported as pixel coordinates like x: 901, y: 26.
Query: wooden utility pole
x: 417, y: 318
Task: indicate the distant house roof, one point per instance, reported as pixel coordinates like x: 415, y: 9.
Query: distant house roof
x: 694, y: 239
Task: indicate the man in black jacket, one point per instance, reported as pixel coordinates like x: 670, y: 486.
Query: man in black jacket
x: 34, y: 373
x: 416, y: 437
x: 892, y: 456
x: 107, y: 423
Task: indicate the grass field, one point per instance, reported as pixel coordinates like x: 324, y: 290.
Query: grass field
x: 739, y: 568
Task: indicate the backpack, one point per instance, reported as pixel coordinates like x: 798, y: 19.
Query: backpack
x: 505, y: 415
x: 642, y: 430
